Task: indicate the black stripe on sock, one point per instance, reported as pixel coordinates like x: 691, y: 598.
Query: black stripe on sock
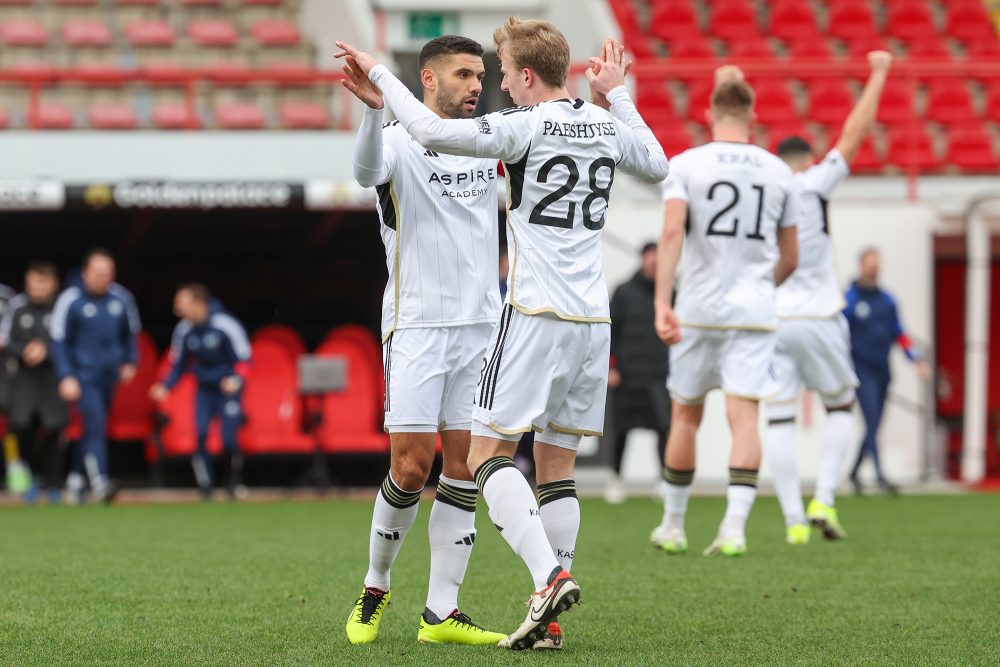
x: 396, y: 497
x: 743, y: 477
x: 678, y: 477
x: 781, y: 420
x: 463, y: 499
x: 490, y: 466
x: 552, y: 491
x: 841, y: 408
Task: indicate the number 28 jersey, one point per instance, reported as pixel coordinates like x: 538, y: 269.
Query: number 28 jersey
x: 738, y: 196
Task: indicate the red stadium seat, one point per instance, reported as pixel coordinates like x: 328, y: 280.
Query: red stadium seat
x: 23, y: 32
x: 272, y: 404
x: 780, y: 132
x: 131, y: 414
x: 949, y: 102
x: 304, y: 116
x: 774, y: 103
x: 283, y: 335
x: 992, y: 108
x: 673, y: 19
x: 983, y: 48
x: 902, y: 140
x: 812, y: 48
x: 367, y: 344
x: 896, y: 104
x: 672, y: 134
x: 86, y: 33
x: 699, y: 95
x: 150, y: 33
x: 109, y: 116
x: 653, y: 97
x: 829, y: 102
x: 239, y: 116
x: 4, y: 118
x: 351, y: 418
x: 752, y: 49
x: 275, y: 33
x: 929, y: 48
x: 733, y: 20
x: 867, y: 160
x: 910, y: 21
x: 689, y: 48
x: 51, y: 116
x: 972, y: 149
x: 851, y: 19
x: 860, y: 47
x: 791, y: 20
x: 213, y: 32
x: 170, y: 116
x: 968, y: 21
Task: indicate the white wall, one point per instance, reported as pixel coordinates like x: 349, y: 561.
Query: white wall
x: 859, y: 217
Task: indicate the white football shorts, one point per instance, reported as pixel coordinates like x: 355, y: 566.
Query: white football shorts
x: 815, y: 354
x: 545, y: 374
x: 430, y: 377
x: 738, y: 361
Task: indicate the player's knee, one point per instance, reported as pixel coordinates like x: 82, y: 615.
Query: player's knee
x: 411, y: 473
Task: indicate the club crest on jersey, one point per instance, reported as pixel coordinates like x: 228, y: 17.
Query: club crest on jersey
x: 115, y: 308
x: 26, y: 321
x: 89, y: 310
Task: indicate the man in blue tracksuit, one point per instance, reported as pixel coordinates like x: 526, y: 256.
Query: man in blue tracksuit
x: 94, y: 345
x: 874, y: 322
x: 214, y: 345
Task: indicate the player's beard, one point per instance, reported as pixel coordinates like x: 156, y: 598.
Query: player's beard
x: 452, y: 106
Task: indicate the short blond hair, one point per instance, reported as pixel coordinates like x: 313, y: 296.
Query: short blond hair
x: 733, y: 98
x: 535, y: 45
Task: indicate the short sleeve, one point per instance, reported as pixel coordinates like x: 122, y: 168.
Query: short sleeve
x: 822, y: 178
x: 675, y: 185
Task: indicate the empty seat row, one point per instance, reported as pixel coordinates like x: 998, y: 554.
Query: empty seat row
x: 174, y: 116
x: 275, y: 411
x: 792, y: 19
x: 149, y: 33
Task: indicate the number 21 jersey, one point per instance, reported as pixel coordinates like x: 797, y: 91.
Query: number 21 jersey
x: 738, y: 195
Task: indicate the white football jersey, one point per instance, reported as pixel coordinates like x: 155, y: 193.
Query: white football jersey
x: 738, y: 195
x: 813, y: 290
x: 560, y: 159
x: 440, y: 231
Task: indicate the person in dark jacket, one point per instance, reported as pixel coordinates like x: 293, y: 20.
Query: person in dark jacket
x: 875, y: 327
x: 94, y: 346
x: 213, y: 345
x: 639, y: 366
x: 24, y: 335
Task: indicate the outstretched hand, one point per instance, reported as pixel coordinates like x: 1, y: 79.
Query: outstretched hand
x: 359, y: 84
x: 607, y: 71
x: 364, y: 61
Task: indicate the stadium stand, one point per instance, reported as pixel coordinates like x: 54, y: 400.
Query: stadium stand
x: 926, y: 36
x: 272, y: 403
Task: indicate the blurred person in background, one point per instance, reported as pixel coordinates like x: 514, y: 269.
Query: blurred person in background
x: 640, y: 363
x: 18, y: 475
x: 94, y: 346
x: 213, y: 345
x: 37, y: 414
x: 874, y: 323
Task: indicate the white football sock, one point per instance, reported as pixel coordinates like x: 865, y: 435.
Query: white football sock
x: 395, y: 512
x: 451, y: 532
x: 779, y: 451
x: 837, y: 439
x: 676, y: 490
x: 515, y: 514
x: 740, y: 495
x: 560, y: 510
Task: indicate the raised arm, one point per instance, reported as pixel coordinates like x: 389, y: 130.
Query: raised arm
x: 862, y: 117
x: 644, y: 157
x: 492, y: 136
x: 372, y: 165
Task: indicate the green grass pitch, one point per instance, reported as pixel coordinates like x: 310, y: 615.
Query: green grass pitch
x: 917, y: 582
